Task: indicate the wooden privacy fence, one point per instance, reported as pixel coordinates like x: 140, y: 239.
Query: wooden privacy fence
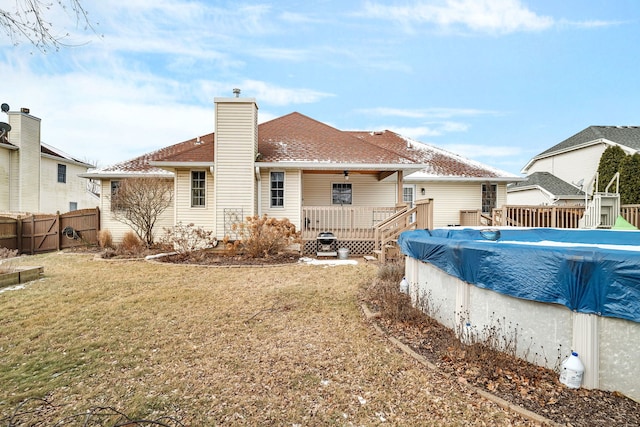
x: 45, y: 233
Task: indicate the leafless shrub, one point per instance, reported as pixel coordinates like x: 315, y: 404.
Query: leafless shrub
x: 188, y: 238
x: 105, y: 239
x: 262, y: 236
x: 8, y: 253
x: 139, y: 202
x: 5, y: 254
x: 393, y: 305
x: 130, y: 244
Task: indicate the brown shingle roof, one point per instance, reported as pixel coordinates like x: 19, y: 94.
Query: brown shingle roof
x: 440, y: 162
x: 298, y: 138
x: 184, y: 151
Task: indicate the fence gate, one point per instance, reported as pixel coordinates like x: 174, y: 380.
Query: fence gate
x: 45, y: 233
x: 40, y: 234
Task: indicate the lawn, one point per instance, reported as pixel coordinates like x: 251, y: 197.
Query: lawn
x: 215, y: 346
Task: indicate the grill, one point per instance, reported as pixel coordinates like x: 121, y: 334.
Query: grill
x: 326, y: 244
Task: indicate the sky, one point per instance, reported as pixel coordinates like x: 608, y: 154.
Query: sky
x: 497, y: 81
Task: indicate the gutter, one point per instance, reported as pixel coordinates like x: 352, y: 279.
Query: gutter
x: 318, y: 165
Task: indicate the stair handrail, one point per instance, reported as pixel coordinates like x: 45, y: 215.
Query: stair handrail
x: 384, y: 224
x: 616, y: 178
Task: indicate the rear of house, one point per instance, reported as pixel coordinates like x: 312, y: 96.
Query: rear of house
x: 318, y: 177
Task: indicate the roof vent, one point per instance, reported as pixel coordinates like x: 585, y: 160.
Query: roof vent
x: 24, y: 110
x: 198, y: 142
x: 236, y: 92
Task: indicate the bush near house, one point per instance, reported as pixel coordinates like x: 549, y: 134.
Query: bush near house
x: 262, y: 236
x: 188, y: 238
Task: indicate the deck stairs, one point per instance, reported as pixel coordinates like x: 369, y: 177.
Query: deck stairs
x: 387, y: 233
x: 602, y: 208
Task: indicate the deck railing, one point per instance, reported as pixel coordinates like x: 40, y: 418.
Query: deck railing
x: 538, y: 216
x: 346, y: 222
x: 631, y: 213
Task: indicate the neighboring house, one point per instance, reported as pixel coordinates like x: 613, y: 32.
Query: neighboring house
x: 543, y: 188
x: 36, y: 177
x: 574, y: 161
x: 319, y: 177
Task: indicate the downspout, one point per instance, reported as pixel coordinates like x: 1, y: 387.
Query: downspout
x: 399, y: 188
x: 259, y: 189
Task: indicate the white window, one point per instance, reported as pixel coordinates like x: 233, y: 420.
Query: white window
x: 489, y: 197
x: 408, y: 197
x: 73, y: 206
x: 277, y: 189
x: 341, y: 193
x: 115, y: 185
x: 198, y: 188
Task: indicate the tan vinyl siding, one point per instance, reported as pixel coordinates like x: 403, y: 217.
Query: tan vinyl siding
x: 449, y: 198
x: 528, y: 198
x: 572, y: 166
x: 25, y: 133
x: 235, y: 151
x: 366, y: 189
x: 5, y: 175
x: 56, y: 196
x: 292, y: 196
x: 117, y: 228
x: 200, y: 216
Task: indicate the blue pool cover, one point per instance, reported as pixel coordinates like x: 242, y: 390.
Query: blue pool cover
x: 588, y: 271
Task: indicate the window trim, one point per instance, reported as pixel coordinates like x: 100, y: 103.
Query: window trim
x: 62, y: 177
x: 272, y: 189
x: 343, y: 185
x: 203, y: 196
x: 114, y: 184
x: 494, y: 187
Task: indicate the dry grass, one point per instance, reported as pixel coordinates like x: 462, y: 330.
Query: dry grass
x: 243, y: 346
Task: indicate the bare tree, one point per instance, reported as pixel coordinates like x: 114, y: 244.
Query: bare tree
x: 30, y: 20
x: 139, y: 202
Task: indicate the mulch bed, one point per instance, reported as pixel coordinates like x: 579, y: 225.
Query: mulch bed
x: 224, y: 259
x: 516, y: 381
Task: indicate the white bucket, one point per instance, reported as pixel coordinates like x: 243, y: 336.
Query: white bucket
x: 571, y: 371
x: 343, y: 253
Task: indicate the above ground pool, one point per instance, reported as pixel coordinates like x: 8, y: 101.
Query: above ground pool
x: 588, y: 271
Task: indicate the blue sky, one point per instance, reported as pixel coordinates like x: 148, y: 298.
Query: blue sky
x: 497, y: 81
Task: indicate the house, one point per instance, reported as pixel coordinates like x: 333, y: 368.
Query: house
x: 320, y: 178
x: 544, y: 188
x: 572, y: 162
x: 36, y: 177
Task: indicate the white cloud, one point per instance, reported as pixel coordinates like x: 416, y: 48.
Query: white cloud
x: 296, y: 55
x: 490, y: 16
x: 280, y: 96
